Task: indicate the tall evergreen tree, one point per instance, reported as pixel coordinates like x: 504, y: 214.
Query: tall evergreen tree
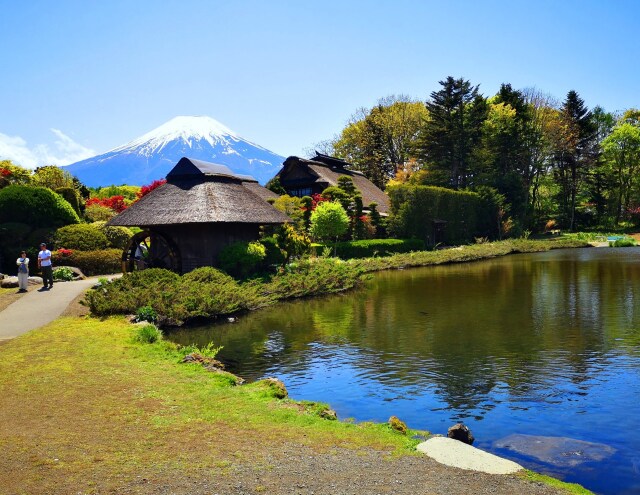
x: 448, y: 138
x: 574, y: 155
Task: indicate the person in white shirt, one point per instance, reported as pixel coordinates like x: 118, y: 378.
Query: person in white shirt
x: 23, y: 271
x: 44, y: 263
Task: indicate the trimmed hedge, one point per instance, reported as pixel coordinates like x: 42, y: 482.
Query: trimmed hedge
x: 81, y: 236
x: 99, y: 262
x: 118, y: 237
x: 368, y: 248
x: 414, y: 208
x: 35, y: 206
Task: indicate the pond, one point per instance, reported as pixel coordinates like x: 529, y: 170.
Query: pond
x: 538, y: 354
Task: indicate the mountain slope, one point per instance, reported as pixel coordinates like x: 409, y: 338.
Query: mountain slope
x: 152, y: 155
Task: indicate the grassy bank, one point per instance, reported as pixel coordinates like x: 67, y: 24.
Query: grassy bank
x: 81, y: 399
x: 208, y: 293
x: 85, y: 409
x: 461, y: 254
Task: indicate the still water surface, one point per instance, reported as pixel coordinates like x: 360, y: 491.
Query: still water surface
x: 545, y: 344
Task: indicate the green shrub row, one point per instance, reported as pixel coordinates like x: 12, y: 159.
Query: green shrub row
x: 368, y: 248
x: 97, y: 262
x: 207, y: 292
x: 414, y: 209
x: 92, y: 237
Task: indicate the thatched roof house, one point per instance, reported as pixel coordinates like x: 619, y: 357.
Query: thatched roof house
x: 202, y: 208
x: 302, y: 177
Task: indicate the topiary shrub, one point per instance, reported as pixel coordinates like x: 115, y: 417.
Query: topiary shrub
x: 35, y: 206
x: 83, y: 237
x: 242, y: 259
x: 100, y: 262
x: 118, y: 237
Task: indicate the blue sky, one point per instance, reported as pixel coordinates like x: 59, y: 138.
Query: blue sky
x: 80, y: 77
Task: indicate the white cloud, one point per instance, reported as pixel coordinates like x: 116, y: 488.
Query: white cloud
x: 63, y: 152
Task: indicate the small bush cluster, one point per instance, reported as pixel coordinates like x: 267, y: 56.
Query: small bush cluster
x: 147, y: 334
x: 146, y: 313
x: 63, y: 273
x: 97, y: 213
x: 623, y: 242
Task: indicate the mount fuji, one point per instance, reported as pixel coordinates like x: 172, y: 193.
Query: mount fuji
x: 152, y: 155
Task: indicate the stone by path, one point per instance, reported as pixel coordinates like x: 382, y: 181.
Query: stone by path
x: 454, y: 453
x: 37, y: 308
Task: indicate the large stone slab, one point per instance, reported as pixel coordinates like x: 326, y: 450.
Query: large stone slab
x: 457, y: 454
x: 557, y: 451
x: 9, y: 282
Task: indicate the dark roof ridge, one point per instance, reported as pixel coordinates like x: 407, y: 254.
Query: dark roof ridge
x: 192, y: 168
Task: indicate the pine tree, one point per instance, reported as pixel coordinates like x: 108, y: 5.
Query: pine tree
x: 574, y: 155
x: 448, y: 138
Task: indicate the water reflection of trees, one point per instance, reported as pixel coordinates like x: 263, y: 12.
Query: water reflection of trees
x: 519, y: 324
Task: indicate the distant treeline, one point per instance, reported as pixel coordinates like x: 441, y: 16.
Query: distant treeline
x: 549, y: 164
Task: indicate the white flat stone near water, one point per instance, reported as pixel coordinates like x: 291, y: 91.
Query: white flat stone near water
x: 454, y: 453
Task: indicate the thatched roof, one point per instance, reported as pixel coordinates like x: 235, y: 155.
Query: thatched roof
x: 257, y: 189
x: 325, y: 169
x: 202, y: 192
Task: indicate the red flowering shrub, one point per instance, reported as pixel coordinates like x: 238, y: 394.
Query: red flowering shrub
x: 116, y: 203
x: 316, y: 199
x: 144, y: 190
x: 64, y: 253
x: 4, y: 172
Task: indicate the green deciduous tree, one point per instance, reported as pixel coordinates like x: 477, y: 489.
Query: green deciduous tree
x: 622, y: 154
x: 379, y: 140
x: 329, y: 221
x: 13, y: 174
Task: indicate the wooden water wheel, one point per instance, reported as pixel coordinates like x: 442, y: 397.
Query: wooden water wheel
x: 148, y: 249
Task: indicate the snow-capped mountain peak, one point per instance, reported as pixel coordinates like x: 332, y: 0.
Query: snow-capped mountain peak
x: 153, y: 154
x: 187, y: 129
